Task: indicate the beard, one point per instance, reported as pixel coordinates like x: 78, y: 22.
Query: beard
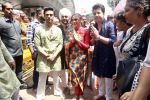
x: 64, y: 21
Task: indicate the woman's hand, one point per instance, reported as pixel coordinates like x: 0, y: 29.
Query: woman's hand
x: 126, y: 96
x: 94, y: 33
x: 71, y: 38
x: 77, y: 37
x: 114, y: 77
x: 117, y: 43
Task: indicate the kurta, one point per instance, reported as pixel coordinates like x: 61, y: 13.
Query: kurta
x: 8, y: 80
x: 48, y: 40
x: 104, y: 62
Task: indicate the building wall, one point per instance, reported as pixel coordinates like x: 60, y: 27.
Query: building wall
x: 56, y: 4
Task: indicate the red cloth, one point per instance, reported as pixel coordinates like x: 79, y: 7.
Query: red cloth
x: 85, y: 38
x: 78, y: 91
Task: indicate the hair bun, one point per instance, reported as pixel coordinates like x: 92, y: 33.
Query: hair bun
x: 146, y: 7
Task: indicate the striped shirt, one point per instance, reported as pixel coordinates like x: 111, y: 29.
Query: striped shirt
x: 31, y: 31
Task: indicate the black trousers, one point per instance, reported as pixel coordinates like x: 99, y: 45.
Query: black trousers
x: 35, y: 75
x: 63, y: 59
x: 18, y: 70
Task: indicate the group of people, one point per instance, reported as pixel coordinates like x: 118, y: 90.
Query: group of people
x: 65, y: 46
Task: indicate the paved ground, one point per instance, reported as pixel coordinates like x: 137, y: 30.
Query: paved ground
x: 29, y: 94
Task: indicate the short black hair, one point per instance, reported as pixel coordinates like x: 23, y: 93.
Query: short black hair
x: 47, y: 9
x: 38, y: 11
x: 120, y: 16
x: 33, y: 14
x: 99, y: 6
x: 3, y: 5
x: 77, y: 15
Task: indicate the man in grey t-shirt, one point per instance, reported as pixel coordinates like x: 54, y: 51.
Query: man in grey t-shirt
x: 10, y: 31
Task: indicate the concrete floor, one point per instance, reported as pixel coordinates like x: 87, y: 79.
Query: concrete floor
x: 30, y: 94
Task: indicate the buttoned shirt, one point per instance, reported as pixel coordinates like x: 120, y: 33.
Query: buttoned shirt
x: 31, y: 31
x: 10, y: 32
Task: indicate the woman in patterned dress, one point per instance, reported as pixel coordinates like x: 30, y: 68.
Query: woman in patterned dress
x: 77, y: 52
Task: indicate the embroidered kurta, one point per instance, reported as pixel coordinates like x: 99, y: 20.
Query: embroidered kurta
x: 48, y: 40
x: 77, y: 57
x: 131, y: 47
x: 8, y: 80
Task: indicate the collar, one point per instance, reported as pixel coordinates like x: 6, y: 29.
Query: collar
x: 8, y: 19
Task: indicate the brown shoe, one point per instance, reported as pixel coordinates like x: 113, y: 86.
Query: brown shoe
x: 98, y: 97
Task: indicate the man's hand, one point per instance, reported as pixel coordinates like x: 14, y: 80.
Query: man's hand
x: 51, y: 57
x: 45, y: 53
x: 12, y: 65
x: 34, y: 55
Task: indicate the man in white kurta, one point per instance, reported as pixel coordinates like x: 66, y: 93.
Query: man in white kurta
x: 49, y: 41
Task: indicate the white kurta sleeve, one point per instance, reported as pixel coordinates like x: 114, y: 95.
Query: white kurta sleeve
x: 146, y: 62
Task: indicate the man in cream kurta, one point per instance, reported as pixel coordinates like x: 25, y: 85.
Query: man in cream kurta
x: 9, y: 83
x: 49, y: 41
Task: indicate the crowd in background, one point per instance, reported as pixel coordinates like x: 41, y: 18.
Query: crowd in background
x: 74, y: 50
